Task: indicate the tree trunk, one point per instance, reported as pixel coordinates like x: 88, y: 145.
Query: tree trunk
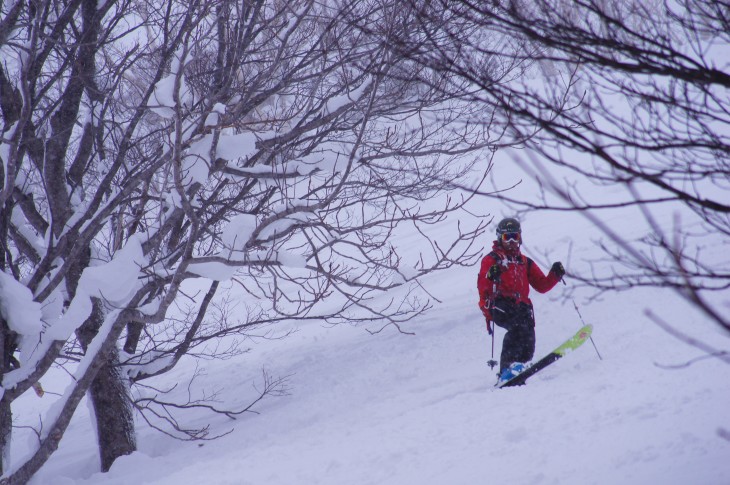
x: 110, y: 398
x: 7, y: 349
x: 112, y: 404
x: 6, y: 415
x: 6, y: 420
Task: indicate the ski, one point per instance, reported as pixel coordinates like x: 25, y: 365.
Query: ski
x: 571, y: 344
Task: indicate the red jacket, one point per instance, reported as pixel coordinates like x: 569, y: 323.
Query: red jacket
x: 518, y: 274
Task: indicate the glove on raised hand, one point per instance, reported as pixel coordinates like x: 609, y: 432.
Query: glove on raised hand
x: 494, y: 271
x: 558, y: 269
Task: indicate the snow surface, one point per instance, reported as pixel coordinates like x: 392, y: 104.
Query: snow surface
x: 400, y: 409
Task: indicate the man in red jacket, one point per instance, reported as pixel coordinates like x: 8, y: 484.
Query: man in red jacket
x: 504, y: 284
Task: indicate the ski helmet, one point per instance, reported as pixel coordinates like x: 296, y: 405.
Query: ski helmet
x: 509, y: 224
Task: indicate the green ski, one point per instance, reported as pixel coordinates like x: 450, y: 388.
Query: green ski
x: 571, y: 344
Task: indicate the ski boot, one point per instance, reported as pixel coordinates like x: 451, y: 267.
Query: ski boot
x: 513, y: 370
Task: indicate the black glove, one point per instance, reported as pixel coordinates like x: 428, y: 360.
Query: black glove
x: 558, y: 270
x: 494, y: 272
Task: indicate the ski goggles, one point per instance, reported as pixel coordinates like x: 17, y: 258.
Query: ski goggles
x: 510, y: 236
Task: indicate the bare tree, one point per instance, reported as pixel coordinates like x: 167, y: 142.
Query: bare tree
x: 628, y: 94
x: 147, y: 145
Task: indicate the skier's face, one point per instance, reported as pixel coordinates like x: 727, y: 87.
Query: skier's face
x: 511, y: 240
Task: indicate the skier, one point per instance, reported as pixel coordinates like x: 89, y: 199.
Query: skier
x: 504, y: 284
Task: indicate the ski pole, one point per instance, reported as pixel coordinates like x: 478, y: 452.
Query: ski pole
x: 490, y: 328
x: 492, y: 362
x: 584, y: 323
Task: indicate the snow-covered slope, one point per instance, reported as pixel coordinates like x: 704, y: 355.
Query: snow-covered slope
x: 420, y: 409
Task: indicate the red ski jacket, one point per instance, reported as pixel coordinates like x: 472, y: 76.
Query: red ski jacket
x: 518, y: 273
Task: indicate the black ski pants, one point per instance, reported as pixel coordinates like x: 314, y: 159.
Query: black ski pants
x: 519, y: 321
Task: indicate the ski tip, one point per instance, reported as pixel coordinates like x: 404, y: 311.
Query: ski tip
x: 575, y: 341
